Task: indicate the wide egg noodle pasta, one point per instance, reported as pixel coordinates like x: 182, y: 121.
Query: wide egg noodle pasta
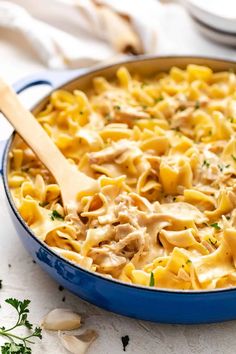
x: 163, y: 150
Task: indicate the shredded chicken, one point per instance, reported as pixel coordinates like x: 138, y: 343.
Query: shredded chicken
x: 110, y: 153
x: 129, y: 114
x: 182, y: 119
x: 123, y: 230
x: 107, y: 261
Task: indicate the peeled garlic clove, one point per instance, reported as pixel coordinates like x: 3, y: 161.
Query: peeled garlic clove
x: 61, y: 319
x: 78, y: 344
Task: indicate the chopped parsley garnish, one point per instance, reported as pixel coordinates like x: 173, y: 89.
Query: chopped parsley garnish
x: 108, y: 116
x: 197, y: 105
x: 151, y: 282
x: 181, y: 108
x: 43, y: 204
x: 228, y: 217
x: 233, y: 157
x: 24, y: 169
x: 81, y: 112
x: 216, y: 226
x: 227, y: 166
x: 125, y: 342
x: 18, y: 343
x: 188, y: 261
x: 212, y: 241
x: 56, y: 215
x: 159, y: 99
x: 117, y: 107
x: 206, y: 163
x: 220, y: 168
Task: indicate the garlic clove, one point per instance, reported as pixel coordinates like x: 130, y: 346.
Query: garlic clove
x: 78, y: 344
x: 61, y: 319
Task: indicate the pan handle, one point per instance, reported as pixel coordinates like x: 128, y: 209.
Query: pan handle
x: 52, y: 78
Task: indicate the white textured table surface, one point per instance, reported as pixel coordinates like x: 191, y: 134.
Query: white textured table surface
x: 26, y: 280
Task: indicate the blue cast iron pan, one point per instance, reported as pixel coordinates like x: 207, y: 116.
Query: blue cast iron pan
x: 158, y: 305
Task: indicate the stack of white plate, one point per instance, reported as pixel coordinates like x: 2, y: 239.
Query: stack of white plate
x: 216, y: 19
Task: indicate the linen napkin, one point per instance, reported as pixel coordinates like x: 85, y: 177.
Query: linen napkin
x: 112, y: 27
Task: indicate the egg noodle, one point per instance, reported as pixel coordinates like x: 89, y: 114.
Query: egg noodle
x: 163, y: 149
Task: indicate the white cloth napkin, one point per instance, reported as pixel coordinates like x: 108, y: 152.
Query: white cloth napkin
x: 92, y: 44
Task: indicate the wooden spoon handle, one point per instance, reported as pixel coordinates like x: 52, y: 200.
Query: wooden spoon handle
x: 33, y: 134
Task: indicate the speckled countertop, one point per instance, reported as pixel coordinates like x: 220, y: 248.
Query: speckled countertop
x: 24, y: 279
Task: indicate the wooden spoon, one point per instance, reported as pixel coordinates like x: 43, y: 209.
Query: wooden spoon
x: 72, y: 182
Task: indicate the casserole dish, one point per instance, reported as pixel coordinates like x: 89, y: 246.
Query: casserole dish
x: 170, y: 306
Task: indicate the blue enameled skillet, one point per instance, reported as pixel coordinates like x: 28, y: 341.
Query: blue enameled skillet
x: 146, y: 303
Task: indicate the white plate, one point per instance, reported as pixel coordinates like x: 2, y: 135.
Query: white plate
x: 215, y: 35
x: 218, y: 14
